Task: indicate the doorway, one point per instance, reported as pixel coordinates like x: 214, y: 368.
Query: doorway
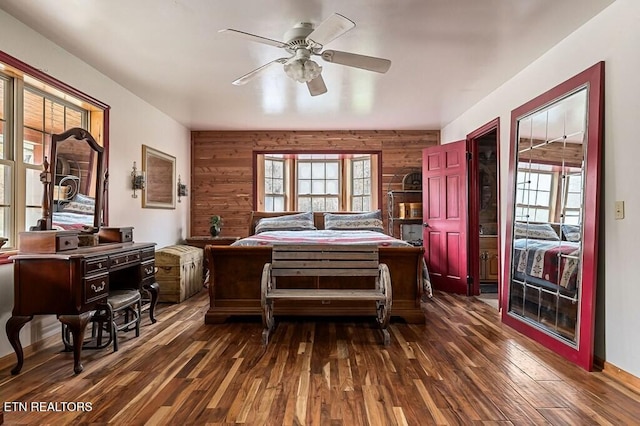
x: 484, y: 214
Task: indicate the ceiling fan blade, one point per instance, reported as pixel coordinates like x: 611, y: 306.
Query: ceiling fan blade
x: 357, y: 61
x: 250, y: 76
x: 253, y: 37
x: 330, y: 29
x: 317, y: 86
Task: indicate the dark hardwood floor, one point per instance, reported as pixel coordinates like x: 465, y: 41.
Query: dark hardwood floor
x: 461, y: 367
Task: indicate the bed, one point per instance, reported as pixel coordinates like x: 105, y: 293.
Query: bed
x: 72, y: 211
x: 545, y: 279
x: 549, y: 264
x: 235, y: 271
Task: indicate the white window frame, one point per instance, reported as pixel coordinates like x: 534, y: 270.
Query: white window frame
x: 345, y: 193
x: 21, y: 77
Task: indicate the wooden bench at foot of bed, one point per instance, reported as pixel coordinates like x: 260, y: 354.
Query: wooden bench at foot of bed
x: 236, y: 274
x: 325, y: 260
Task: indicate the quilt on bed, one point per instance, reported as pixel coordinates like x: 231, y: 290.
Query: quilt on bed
x: 327, y: 236
x: 552, y: 261
x: 68, y: 220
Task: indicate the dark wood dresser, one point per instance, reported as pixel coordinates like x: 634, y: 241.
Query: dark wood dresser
x: 72, y: 283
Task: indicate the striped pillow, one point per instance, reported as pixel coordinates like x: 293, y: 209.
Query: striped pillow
x: 293, y: 222
x: 370, y: 221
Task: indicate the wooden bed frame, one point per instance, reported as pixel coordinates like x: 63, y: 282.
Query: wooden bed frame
x: 235, y: 275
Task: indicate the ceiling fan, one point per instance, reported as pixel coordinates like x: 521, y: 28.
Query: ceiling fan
x: 304, y: 41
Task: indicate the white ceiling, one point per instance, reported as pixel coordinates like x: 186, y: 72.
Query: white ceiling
x: 446, y: 55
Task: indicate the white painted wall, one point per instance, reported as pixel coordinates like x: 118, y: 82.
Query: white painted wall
x: 133, y: 122
x: 614, y: 37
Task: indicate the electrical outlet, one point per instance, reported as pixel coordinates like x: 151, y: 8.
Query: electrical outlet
x: 619, y: 206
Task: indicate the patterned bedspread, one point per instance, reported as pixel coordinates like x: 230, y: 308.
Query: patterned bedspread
x: 324, y: 236
x: 68, y: 220
x: 552, y: 261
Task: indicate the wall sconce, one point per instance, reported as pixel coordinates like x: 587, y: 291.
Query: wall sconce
x: 137, y: 180
x: 182, y: 189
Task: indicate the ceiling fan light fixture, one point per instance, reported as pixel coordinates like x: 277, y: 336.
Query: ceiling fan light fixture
x: 302, y: 70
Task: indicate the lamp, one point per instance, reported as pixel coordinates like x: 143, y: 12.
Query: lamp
x: 137, y: 180
x: 301, y: 68
x: 182, y: 189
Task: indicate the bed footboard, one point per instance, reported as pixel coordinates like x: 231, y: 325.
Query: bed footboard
x: 236, y: 273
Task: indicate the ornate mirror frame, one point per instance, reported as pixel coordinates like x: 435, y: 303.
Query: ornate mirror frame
x: 88, y: 178
x: 557, y: 312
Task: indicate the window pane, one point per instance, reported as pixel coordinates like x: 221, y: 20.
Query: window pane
x: 304, y: 170
x: 332, y: 171
x: 318, y: 205
x: 333, y: 187
x: 33, y: 111
x: 73, y: 119
x: 331, y: 205
x: 304, y: 187
x: 33, y: 146
x: 317, y: 170
x: 278, y: 186
x: 358, y: 169
x: 35, y: 189
x: 3, y: 146
x: 278, y: 204
x: 268, y: 186
x: 542, y: 199
x: 358, y: 187
x: 32, y: 216
x: 317, y: 187
x: 304, y: 204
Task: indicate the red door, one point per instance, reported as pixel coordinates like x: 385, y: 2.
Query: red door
x: 445, y: 219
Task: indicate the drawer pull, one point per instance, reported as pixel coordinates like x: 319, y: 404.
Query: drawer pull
x: 100, y: 265
x: 148, y: 271
x: 97, y: 289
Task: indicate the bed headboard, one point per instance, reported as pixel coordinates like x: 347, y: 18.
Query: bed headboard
x: 318, y: 218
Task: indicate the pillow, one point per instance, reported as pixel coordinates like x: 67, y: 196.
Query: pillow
x: 75, y: 207
x: 370, y: 221
x: 571, y: 233
x: 60, y: 192
x: 538, y: 231
x: 292, y: 222
x: 84, y: 199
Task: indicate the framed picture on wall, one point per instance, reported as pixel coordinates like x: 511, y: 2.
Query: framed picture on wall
x: 160, y: 171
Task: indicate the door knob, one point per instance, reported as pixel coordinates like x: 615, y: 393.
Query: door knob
x: 426, y: 225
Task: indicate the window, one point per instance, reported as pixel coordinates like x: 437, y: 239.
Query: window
x: 33, y: 106
x: 533, y: 196
x: 543, y: 194
x: 317, y: 181
x: 572, y: 204
x: 274, y: 184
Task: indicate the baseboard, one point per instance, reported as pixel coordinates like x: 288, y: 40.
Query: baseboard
x: 619, y: 375
x: 10, y: 360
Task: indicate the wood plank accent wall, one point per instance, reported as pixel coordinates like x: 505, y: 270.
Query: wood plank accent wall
x: 222, y: 166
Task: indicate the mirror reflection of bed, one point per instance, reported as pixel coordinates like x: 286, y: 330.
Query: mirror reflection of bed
x: 74, y: 185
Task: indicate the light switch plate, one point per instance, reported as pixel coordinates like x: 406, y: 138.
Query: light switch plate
x: 619, y: 213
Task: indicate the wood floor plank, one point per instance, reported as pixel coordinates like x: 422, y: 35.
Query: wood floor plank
x: 461, y: 367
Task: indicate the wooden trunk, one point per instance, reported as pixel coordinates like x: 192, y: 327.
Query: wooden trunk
x: 179, y: 272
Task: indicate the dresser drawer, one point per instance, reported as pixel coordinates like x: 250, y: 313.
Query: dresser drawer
x: 148, y: 253
x: 147, y: 269
x: 96, y: 265
x: 124, y: 259
x: 96, y: 288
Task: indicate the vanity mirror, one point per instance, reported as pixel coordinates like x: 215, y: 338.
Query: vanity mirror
x: 75, y: 191
x: 552, y: 220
